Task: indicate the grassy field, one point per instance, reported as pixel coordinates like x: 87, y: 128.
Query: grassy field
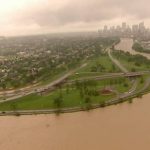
x: 33, y: 102
x: 141, y: 81
x: 131, y: 62
x: 97, y: 66
x: 70, y: 98
x: 131, y: 66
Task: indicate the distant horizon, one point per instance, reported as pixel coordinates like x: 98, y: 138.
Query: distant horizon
x: 77, y: 31
x: 50, y: 33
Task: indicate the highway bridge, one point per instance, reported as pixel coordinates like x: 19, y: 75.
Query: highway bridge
x: 113, y: 75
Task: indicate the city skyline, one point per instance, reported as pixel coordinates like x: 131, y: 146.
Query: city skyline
x: 124, y: 29
x: 126, y: 25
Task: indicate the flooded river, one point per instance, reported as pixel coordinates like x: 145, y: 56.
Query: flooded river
x: 126, y: 45
x: 119, y: 127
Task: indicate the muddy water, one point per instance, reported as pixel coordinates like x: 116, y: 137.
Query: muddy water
x: 121, y: 127
x: 126, y: 45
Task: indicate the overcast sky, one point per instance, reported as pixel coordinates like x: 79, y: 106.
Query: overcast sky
x: 22, y: 17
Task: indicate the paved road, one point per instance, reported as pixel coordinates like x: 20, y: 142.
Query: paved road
x: 129, y: 94
x: 112, y: 75
x: 147, y: 84
x: 116, y: 62
x: 132, y: 90
x: 34, y: 90
x: 123, y: 69
x: 75, y: 109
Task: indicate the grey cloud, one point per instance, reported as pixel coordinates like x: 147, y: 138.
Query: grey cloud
x: 86, y: 11
x: 75, y: 11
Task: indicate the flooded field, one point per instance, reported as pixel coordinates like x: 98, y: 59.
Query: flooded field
x: 121, y: 127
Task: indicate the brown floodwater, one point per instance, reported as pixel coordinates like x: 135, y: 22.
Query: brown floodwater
x: 119, y: 127
x: 126, y: 45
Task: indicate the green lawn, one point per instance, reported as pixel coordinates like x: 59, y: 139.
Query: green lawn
x: 71, y: 98
x: 131, y: 62
x: 34, y: 101
x: 123, y: 88
x: 141, y: 81
x: 102, y: 61
x: 132, y: 66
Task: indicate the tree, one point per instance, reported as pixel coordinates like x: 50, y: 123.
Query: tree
x: 81, y: 93
x: 67, y: 89
x: 58, y: 101
x: 125, y: 84
x: 3, y: 85
x: 113, y: 67
x: 88, y: 103
x: 142, y: 80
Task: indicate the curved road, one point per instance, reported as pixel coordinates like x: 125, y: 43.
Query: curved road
x: 116, y: 62
x: 14, y: 96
